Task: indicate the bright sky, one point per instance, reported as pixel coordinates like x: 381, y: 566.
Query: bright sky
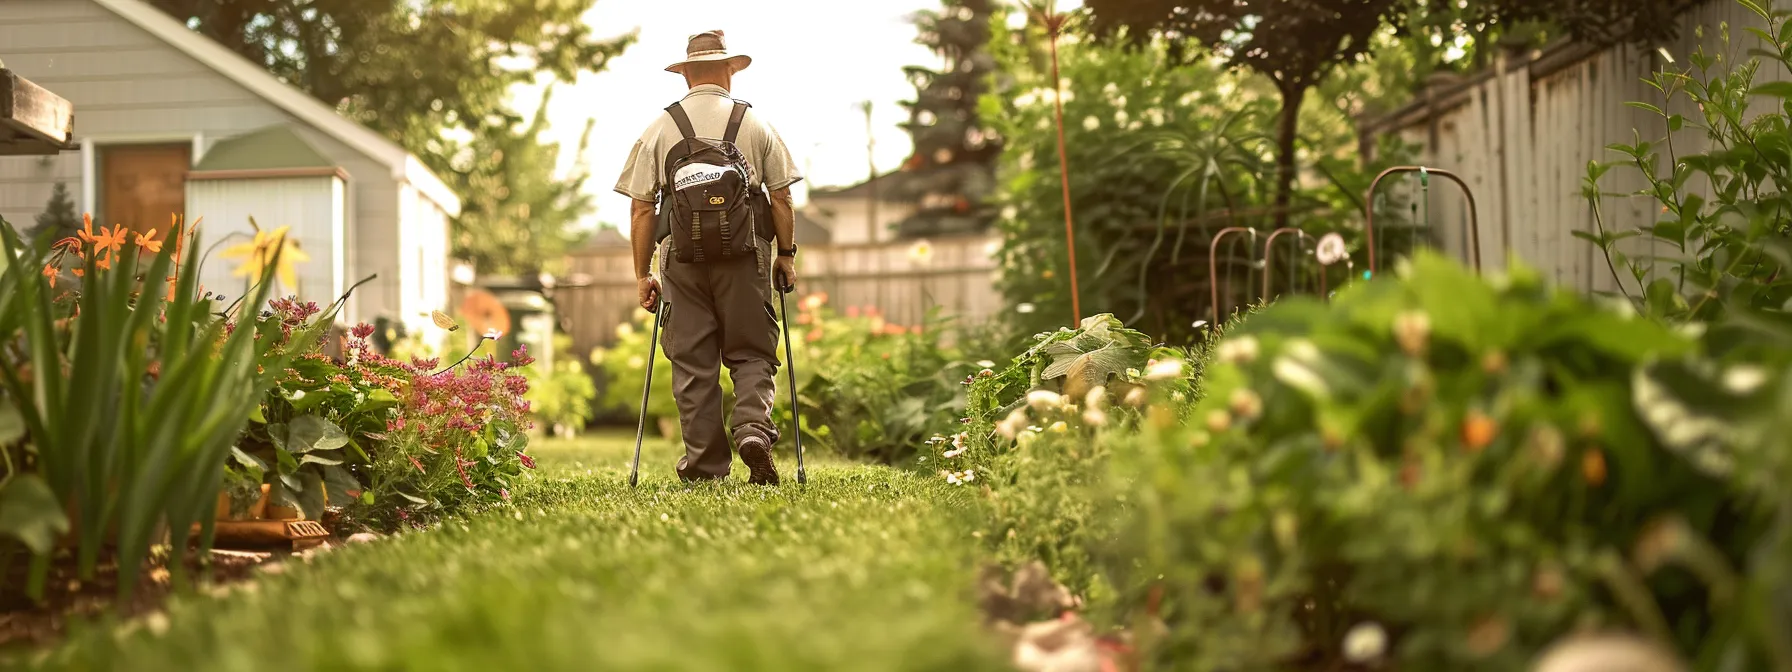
x: 814, y: 63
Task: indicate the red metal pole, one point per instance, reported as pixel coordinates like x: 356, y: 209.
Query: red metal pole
x: 1053, y: 23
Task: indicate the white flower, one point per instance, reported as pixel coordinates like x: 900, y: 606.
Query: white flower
x: 636, y: 362
x: 493, y: 334
x: 1365, y: 643
x: 1155, y: 116
x: 1024, y: 308
x: 969, y: 476
x: 1091, y: 123
x: 1744, y: 379
x: 1110, y: 89
x: 921, y: 253
x: 1136, y: 397
x: 1238, y: 350
x: 1331, y: 249
x: 958, y: 440
x: 986, y: 364
x: 1246, y: 404
x: 1164, y: 370
x: 624, y: 330
x: 1096, y: 398
x: 1121, y: 118
x: 1094, y: 417
x: 664, y: 517
x: 952, y: 453
x: 1043, y: 399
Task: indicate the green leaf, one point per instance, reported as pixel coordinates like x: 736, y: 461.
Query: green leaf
x: 29, y: 512
x: 288, y: 464
x: 1646, y: 106
x: 307, y: 433
x: 314, y: 458
x: 247, y: 460
x: 311, y: 495
x: 12, y: 423
x: 306, y: 400
x: 340, y: 487
x: 1778, y: 89
x: 377, y: 399
x: 259, y: 413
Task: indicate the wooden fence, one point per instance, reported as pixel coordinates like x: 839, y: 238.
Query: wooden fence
x: 956, y: 274
x: 1523, y: 133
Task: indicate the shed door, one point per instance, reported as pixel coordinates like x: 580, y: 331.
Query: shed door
x: 143, y: 186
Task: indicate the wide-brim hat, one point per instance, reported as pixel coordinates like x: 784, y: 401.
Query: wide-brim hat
x: 708, y: 46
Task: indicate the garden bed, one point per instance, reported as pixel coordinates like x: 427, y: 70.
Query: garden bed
x: 24, y: 623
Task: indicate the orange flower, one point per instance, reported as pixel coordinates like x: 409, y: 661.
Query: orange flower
x: 50, y: 272
x: 86, y: 232
x: 69, y: 244
x: 147, y: 241
x: 111, y: 240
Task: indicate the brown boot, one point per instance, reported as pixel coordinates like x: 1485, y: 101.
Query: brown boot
x: 757, y: 454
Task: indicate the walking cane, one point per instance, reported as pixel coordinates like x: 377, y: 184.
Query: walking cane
x: 661, y: 308
x: 796, y: 418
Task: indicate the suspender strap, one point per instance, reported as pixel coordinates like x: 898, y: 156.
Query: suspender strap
x: 734, y: 119
x: 683, y: 120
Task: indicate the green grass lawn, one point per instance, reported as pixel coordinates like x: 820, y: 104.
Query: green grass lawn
x: 865, y: 568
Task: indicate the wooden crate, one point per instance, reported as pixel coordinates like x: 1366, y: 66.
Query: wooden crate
x: 33, y: 121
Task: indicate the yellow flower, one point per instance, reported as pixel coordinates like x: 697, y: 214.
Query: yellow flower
x: 258, y: 253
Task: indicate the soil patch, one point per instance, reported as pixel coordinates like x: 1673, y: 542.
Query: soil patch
x: 25, y: 624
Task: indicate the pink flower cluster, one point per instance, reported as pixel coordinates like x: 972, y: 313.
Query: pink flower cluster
x: 449, y: 409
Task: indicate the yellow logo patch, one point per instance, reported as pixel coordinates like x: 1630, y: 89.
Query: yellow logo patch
x: 717, y: 200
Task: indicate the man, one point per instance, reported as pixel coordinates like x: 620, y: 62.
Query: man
x: 720, y: 308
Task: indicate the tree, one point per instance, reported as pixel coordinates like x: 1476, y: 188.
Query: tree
x: 952, y: 168
x: 515, y: 217
x: 416, y: 69
x: 58, y: 215
x: 1294, y: 43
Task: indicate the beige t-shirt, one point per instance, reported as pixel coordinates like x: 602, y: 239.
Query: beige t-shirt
x: 708, y: 106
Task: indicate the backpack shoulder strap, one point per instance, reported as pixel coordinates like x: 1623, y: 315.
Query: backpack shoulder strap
x: 683, y: 120
x: 734, y: 120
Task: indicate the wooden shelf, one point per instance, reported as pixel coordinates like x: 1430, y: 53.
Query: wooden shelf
x: 33, y: 121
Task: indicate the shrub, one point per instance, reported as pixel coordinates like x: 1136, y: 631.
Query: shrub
x: 131, y: 395
x: 1723, y: 211
x: 561, y: 399
x: 869, y: 388
x: 1467, y: 469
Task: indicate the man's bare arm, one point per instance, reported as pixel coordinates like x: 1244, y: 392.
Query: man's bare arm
x: 641, y: 225
x: 783, y: 218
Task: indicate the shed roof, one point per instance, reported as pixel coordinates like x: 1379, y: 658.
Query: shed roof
x: 271, y: 148
x: 405, y: 167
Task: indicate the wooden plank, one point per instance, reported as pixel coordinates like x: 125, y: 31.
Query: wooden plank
x: 33, y: 121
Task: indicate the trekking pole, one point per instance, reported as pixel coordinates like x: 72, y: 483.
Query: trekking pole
x: 653, y: 350
x: 796, y: 418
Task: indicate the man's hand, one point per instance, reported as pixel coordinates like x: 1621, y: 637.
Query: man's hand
x: 784, y: 274
x: 648, y: 289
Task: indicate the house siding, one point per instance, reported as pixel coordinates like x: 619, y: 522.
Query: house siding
x: 125, y: 82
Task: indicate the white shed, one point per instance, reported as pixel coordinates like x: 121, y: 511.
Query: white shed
x: 157, y: 100
x: 276, y: 179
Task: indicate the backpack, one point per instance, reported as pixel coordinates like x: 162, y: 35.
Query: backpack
x: 708, y: 201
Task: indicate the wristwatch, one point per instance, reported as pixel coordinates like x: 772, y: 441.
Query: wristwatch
x: 788, y: 253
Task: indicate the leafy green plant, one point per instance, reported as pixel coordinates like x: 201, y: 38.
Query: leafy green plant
x: 1466, y: 470
x: 869, y: 388
x: 131, y: 396
x: 319, y: 425
x: 561, y: 398
x: 1724, y: 211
